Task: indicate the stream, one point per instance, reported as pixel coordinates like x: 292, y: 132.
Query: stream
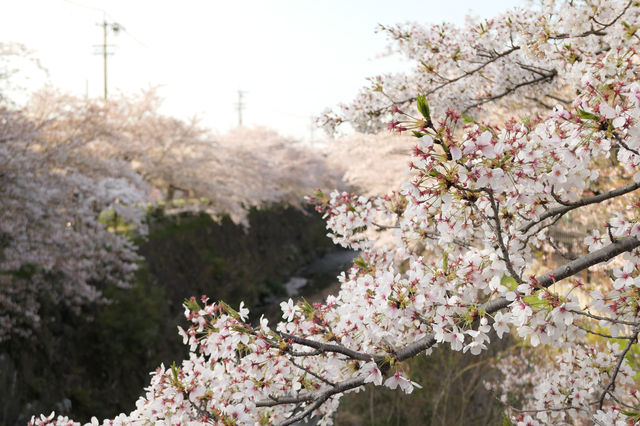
x: 316, y: 280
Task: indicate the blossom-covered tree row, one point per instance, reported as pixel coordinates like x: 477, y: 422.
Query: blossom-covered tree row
x: 77, y: 176
x: 520, y: 215
x: 53, y: 245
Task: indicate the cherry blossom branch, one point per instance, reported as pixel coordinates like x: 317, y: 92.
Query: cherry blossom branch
x: 606, y: 336
x: 498, y: 231
x: 317, y: 376
x: 624, y: 145
x: 598, y: 317
x: 202, y: 412
x: 539, y: 102
x: 598, y: 32
x: 611, y: 394
x: 285, y: 399
x: 329, y: 347
x: 543, y: 78
x: 557, y: 198
x: 557, y: 98
x: 559, y: 251
x: 427, y: 234
x: 567, y: 207
x: 323, y: 396
x: 546, y: 280
x: 547, y: 225
x: 618, y: 365
x: 624, y: 10
x: 318, y: 398
x: 543, y: 410
x: 494, y: 57
x: 384, y: 227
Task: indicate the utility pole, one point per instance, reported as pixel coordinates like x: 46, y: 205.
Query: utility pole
x: 240, y: 107
x: 115, y: 27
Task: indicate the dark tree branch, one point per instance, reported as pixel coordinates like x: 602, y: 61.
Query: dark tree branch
x: 286, y: 399
x: 546, y: 280
x: 618, y: 365
x: 539, y: 102
x: 498, y: 230
x: 494, y: 58
x: 620, y: 402
x: 322, y: 396
x: 606, y: 336
x: 546, y: 77
x: 599, y: 318
x: 317, y: 376
x: 330, y: 348
x: 624, y: 10
x: 567, y: 207
x: 559, y: 251
x: 559, y: 99
x: 625, y: 146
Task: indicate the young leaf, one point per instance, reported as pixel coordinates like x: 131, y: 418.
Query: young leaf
x: 587, y: 115
x: 423, y: 107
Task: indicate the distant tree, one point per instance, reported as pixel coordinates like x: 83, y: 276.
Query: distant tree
x: 220, y: 174
x: 381, y: 164
x: 550, y: 145
x: 54, y: 247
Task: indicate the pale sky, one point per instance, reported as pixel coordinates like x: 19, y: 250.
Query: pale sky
x: 292, y: 58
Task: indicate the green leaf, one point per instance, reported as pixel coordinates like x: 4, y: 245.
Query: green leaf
x: 229, y: 310
x: 509, y: 282
x: 361, y: 263
x: 306, y: 307
x: 423, y: 107
x: 191, y: 304
x: 506, y: 421
x: 445, y: 260
x: 418, y: 134
x: 174, y: 370
x: 467, y: 118
x: 587, y: 115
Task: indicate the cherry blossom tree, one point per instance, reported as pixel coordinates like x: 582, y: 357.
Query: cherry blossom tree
x: 525, y: 124
x: 216, y: 173
x: 18, y: 67
x: 53, y: 245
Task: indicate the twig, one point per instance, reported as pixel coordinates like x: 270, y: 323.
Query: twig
x: 317, y: 376
x: 620, y: 402
x: 566, y: 207
x: 607, y: 336
x: 613, y: 320
x: 546, y: 77
x: 618, y: 365
x: 625, y: 146
x: 498, y: 231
